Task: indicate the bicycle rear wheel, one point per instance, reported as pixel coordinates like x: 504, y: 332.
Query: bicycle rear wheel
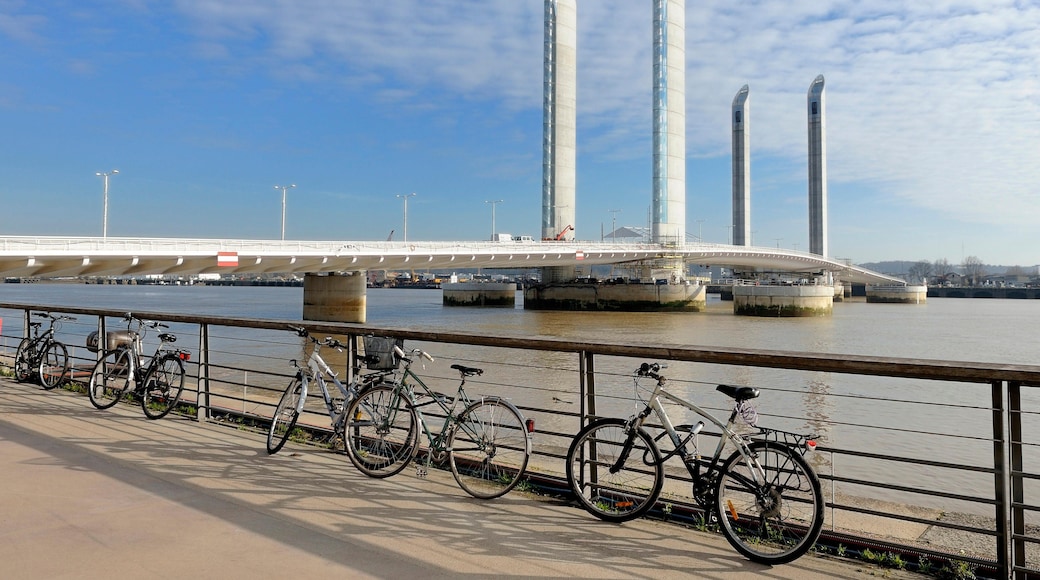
x: 163, y: 386
x: 381, y: 433
x: 110, y: 379
x: 615, y: 473
x: 285, y: 416
x: 22, y: 364
x: 490, y: 447
x: 777, y: 521
x: 54, y: 365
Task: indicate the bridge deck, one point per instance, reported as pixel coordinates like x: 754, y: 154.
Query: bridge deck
x: 111, y: 494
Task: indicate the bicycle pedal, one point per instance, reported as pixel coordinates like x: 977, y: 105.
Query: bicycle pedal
x: 420, y: 471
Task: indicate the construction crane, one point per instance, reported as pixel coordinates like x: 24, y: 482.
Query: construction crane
x: 560, y: 235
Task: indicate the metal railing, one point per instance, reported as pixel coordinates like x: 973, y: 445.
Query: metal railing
x: 933, y: 460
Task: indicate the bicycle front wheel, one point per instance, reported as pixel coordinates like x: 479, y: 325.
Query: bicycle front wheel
x: 381, y: 433
x: 490, y: 447
x: 616, y: 473
x: 285, y: 416
x: 778, y: 519
x: 54, y: 365
x: 22, y: 363
x: 163, y: 386
x: 110, y: 379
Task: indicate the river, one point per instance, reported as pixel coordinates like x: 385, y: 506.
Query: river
x: 868, y: 413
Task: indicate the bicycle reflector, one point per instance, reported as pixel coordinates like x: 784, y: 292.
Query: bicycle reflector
x: 810, y: 444
x: 530, y: 425
x: 184, y: 355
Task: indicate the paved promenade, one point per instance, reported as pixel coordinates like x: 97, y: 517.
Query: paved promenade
x: 111, y: 494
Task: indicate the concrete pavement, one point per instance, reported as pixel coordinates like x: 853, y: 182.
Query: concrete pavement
x: 92, y: 494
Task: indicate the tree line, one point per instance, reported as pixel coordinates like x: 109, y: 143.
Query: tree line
x: 939, y: 272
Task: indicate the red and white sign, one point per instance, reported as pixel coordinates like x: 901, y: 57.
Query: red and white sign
x: 227, y: 259
x: 579, y: 255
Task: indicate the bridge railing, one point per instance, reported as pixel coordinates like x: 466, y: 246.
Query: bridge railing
x: 926, y: 464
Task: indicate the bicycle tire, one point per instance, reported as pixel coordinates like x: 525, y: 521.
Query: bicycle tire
x: 381, y: 432
x: 110, y: 379
x: 285, y: 415
x: 633, y: 488
x: 23, y: 361
x: 490, y: 448
x: 163, y: 386
x: 775, y: 524
x: 54, y: 365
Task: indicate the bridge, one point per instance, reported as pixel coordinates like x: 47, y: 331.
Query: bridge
x: 53, y: 257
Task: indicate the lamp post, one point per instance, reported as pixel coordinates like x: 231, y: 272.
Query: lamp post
x: 405, y: 198
x: 699, y: 238
x: 493, y: 204
x: 104, y: 221
x: 284, y: 188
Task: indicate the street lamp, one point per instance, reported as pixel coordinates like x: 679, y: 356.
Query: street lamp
x: 104, y: 222
x: 699, y: 238
x: 493, y: 204
x: 284, y: 188
x: 613, y: 225
x: 405, y: 198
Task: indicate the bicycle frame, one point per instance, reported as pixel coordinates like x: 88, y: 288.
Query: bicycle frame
x: 317, y: 369
x: 436, y: 441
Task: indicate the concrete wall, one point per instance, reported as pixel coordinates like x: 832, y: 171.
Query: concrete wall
x: 617, y: 297
x: 479, y: 294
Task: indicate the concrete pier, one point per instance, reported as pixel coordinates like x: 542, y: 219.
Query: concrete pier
x: 479, y: 294
x: 898, y: 294
x: 617, y: 297
x: 335, y: 298
x: 783, y: 301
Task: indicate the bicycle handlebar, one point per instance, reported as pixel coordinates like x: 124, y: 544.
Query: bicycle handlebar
x: 650, y: 370
x: 129, y: 317
x: 52, y: 317
x: 401, y: 353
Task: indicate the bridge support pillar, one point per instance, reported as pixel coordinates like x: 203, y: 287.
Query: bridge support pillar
x: 479, y: 294
x: 784, y: 301
x: 898, y: 294
x: 622, y: 297
x: 335, y: 297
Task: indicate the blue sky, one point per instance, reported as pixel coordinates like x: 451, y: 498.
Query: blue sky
x: 933, y: 119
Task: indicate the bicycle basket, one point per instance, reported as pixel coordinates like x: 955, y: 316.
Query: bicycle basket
x: 383, y: 348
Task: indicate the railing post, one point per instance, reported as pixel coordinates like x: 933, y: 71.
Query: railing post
x: 1000, y: 478
x: 587, y: 370
x: 202, y: 399
x: 1018, y: 526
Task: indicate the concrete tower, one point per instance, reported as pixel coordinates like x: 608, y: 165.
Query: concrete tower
x: 559, y: 118
x: 817, y: 169
x: 669, y: 184
x: 741, y: 167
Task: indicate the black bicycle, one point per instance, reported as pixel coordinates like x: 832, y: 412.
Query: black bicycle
x: 159, y: 384
x: 40, y: 355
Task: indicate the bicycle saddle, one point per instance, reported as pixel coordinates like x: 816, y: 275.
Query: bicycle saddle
x: 738, y: 393
x: 468, y: 371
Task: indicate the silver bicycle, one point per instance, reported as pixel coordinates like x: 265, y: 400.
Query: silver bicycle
x: 290, y: 406
x: 765, y: 497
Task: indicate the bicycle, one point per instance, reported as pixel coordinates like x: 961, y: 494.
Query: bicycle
x: 765, y: 496
x: 159, y: 384
x: 41, y: 354
x: 487, y: 443
x: 290, y: 405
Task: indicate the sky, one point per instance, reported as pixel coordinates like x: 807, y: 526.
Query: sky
x: 204, y: 106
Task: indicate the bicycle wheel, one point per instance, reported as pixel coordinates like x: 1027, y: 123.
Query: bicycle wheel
x: 490, y: 447
x: 381, y: 432
x: 285, y: 415
x: 616, y: 474
x: 777, y: 521
x: 163, y: 386
x: 54, y: 365
x: 110, y: 379
x: 22, y: 363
